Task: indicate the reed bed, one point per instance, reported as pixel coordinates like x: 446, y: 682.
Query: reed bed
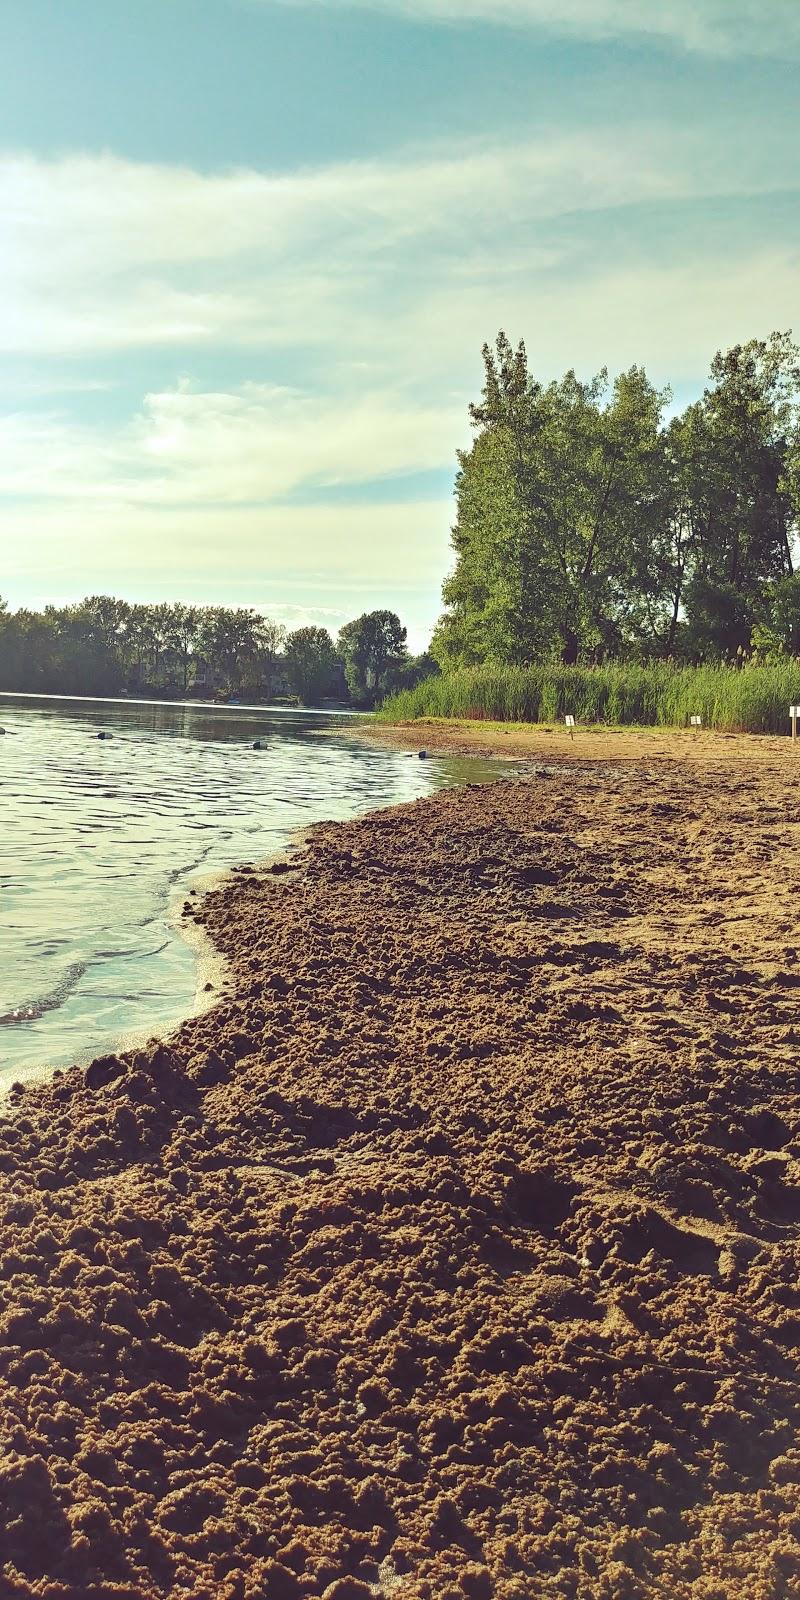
x: 748, y: 699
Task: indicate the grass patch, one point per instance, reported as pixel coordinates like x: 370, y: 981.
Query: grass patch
x: 750, y: 699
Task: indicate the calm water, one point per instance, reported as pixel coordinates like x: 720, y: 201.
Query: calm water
x: 99, y: 837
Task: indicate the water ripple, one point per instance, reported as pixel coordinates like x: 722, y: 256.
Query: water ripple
x: 97, y: 837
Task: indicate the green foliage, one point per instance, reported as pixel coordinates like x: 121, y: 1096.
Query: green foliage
x: 752, y: 698
x: 778, y: 633
x: 241, y: 645
x: 373, y: 648
x: 311, y: 665
x: 103, y: 645
x: 415, y: 669
x: 588, y: 530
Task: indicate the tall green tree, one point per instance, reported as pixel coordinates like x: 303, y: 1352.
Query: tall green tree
x: 587, y: 528
x: 231, y: 641
x: 777, y: 633
x: 311, y: 664
x: 270, y: 640
x: 28, y: 651
x: 182, y: 637
x: 559, y: 501
x: 738, y: 445
x: 373, y: 648
x: 87, y: 640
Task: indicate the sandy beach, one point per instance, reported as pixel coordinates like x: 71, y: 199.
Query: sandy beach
x: 545, y: 743
x: 456, y: 1251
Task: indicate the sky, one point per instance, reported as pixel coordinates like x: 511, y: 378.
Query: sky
x: 250, y: 251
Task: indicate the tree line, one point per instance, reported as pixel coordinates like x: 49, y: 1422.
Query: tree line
x: 595, y: 525
x: 104, y: 646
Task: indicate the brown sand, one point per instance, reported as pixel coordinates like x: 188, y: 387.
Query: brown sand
x: 457, y: 1254
x: 538, y: 742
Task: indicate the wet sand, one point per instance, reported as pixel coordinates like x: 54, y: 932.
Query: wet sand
x: 456, y: 1252
x: 541, y: 742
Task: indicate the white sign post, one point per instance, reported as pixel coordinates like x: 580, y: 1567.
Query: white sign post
x: 570, y: 722
x: 794, y: 713
x: 696, y: 722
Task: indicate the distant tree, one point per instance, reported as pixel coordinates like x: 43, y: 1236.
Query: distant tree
x: 106, y: 618
x: 182, y: 637
x: 311, y: 664
x: 373, y: 648
x: 137, y: 645
x: 148, y: 638
x: 271, y: 639
x: 415, y: 669
x: 86, y: 644
x: 28, y: 651
x: 240, y: 644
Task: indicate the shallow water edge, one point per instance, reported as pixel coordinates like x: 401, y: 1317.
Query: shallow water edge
x: 106, y: 839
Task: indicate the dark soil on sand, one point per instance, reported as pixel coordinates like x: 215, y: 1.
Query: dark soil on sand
x: 456, y: 1253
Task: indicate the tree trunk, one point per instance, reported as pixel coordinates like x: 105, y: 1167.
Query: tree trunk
x: 569, y: 647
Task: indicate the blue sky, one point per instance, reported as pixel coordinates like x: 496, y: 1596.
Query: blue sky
x: 250, y: 252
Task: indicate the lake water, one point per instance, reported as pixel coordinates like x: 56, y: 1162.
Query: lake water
x: 99, y: 838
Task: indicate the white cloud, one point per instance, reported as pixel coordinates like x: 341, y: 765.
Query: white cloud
x: 190, y: 454
x: 260, y: 444
x: 100, y: 254
x: 254, y: 444
x: 759, y: 27
x: 670, y: 316
x: 375, y: 283
x: 347, y: 549
x: 332, y: 618
x: 294, y: 616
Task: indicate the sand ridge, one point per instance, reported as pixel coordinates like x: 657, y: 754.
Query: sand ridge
x: 456, y: 1252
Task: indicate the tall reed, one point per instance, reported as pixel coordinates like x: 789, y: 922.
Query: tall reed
x: 752, y: 698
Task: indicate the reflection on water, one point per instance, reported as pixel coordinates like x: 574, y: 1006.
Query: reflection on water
x: 97, y: 837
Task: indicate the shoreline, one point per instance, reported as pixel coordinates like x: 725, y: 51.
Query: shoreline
x: 211, y: 981
x: 212, y: 977
x: 215, y: 978
x: 552, y: 742
x: 452, y: 1250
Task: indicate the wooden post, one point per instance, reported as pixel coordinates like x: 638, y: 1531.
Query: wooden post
x: 794, y: 713
x: 570, y: 722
